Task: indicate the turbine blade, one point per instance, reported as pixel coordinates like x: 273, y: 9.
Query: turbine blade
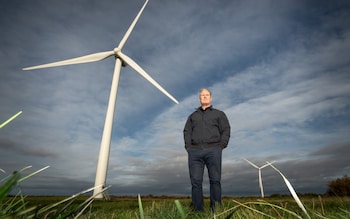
x: 268, y: 164
x: 83, y: 59
x: 251, y: 163
x: 128, y: 32
x: 142, y: 72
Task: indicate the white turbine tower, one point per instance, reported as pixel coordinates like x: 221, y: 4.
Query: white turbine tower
x: 260, y: 179
x: 121, y: 59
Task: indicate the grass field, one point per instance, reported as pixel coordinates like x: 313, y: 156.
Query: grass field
x: 245, y: 207
x: 81, y: 205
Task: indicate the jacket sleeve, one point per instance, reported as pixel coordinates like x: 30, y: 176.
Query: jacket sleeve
x: 188, y: 132
x: 225, y: 130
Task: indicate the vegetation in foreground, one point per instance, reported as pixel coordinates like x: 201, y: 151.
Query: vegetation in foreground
x: 242, y: 207
x: 82, y: 206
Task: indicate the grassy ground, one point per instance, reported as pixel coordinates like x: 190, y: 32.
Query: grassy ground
x: 247, y: 207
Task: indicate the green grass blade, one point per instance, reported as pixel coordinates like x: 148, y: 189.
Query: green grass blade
x: 25, y: 168
x: 12, y: 205
x: 180, y: 209
x: 10, y: 119
x: 81, y: 208
x: 278, y: 207
x: 252, y: 209
x: 7, y: 187
x: 25, y: 212
x: 86, y: 204
x: 344, y: 213
x: 32, y: 174
x: 140, y: 207
x: 45, y: 209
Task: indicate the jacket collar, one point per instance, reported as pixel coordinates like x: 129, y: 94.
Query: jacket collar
x: 208, y: 108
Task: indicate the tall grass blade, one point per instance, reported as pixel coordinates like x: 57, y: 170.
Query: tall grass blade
x: 25, y: 168
x: 62, y: 212
x: 321, y: 216
x: 346, y: 213
x: 25, y: 212
x: 7, y: 187
x: 140, y: 207
x: 11, y: 206
x: 45, y: 209
x: 180, y: 209
x: 87, y: 202
x: 17, y: 208
x: 10, y: 119
x: 84, y: 208
x: 65, y: 212
x: 20, y: 171
x: 292, y: 191
x: 274, y: 206
x: 252, y: 209
x: 32, y: 174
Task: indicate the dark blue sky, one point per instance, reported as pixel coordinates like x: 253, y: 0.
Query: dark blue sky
x: 279, y: 69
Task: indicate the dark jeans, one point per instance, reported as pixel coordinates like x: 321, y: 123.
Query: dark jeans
x: 198, y: 157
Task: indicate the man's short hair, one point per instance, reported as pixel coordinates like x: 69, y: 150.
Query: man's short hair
x: 204, y: 88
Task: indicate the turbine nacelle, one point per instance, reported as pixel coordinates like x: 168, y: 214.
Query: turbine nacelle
x: 260, y: 179
x: 116, y: 51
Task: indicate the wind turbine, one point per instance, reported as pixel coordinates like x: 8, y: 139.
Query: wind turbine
x: 121, y: 60
x: 260, y: 179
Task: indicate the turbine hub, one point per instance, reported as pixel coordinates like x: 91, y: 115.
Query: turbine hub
x: 116, y: 50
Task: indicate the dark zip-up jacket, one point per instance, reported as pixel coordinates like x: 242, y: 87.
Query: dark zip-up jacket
x: 207, y: 127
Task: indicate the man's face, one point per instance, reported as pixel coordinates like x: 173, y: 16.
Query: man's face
x: 205, y: 98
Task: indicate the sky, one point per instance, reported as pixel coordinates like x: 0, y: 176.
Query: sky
x: 280, y: 70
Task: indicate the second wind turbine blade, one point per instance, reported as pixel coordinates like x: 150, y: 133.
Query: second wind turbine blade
x: 128, y: 32
x: 251, y: 163
x: 142, y: 72
x: 83, y: 59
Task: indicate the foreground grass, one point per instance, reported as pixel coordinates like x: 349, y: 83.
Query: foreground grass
x: 248, y: 207
x: 82, y: 206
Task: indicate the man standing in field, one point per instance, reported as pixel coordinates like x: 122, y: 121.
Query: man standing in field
x: 206, y: 134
